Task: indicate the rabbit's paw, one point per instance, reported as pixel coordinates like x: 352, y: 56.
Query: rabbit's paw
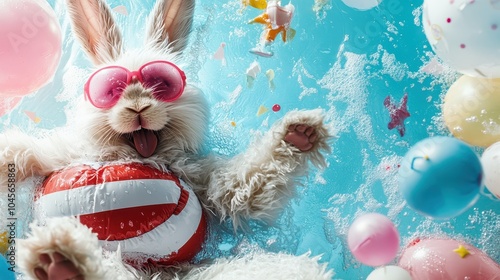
x: 305, y: 130
x: 301, y: 136
x: 56, y: 267
x: 61, y: 249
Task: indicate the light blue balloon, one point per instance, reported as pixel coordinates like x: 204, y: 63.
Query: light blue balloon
x: 441, y: 177
x: 5, y: 273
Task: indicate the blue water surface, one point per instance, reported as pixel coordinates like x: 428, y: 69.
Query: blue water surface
x: 342, y: 60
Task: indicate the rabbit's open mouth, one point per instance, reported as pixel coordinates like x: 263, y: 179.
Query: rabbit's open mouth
x: 144, y: 141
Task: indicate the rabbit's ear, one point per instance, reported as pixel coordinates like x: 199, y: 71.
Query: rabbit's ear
x: 94, y: 26
x: 170, y: 23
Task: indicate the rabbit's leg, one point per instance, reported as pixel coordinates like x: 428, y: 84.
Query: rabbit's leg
x: 258, y: 183
x: 21, y: 156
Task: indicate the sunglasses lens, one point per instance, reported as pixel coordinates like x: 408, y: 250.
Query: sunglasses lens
x: 166, y: 80
x: 105, y: 87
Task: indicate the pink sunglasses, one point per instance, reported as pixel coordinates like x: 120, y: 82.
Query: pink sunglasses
x: 105, y: 86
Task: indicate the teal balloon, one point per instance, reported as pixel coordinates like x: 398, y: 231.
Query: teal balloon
x: 5, y: 273
x: 441, y: 177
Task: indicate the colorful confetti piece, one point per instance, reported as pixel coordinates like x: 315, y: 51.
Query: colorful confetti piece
x: 262, y: 110
x: 33, y: 116
x: 121, y: 10
x: 397, y: 114
x: 219, y: 54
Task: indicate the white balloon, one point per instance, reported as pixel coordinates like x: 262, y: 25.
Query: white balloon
x: 390, y: 272
x: 491, y: 168
x: 362, y: 5
x: 465, y: 34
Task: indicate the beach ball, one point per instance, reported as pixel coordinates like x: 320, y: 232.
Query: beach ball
x: 373, y: 239
x: 362, y: 5
x: 390, y: 272
x: 438, y: 259
x: 5, y: 273
x: 490, y: 160
x: 465, y: 34
x: 30, y: 48
x: 440, y: 177
x: 152, y: 215
x: 471, y: 110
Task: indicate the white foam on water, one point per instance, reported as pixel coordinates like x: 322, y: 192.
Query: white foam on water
x: 320, y: 7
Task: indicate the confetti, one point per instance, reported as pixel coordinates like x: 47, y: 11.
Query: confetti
x: 252, y: 72
x: 219, y: 54
x: 262, y: 110
x: 32, y: 116
x: 121, y: 10
x: 461, y: 251
x: 397, y: 114
x: 270, y: 78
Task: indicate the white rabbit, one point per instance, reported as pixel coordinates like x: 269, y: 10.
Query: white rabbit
x: 137, y: 121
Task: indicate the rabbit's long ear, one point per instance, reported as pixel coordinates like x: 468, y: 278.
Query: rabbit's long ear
x: 170, y: 23
x: 94, y: 26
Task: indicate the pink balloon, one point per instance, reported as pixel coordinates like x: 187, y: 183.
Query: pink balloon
x: 30, y: 47
x: 373, y: 239
x: 435, y: 259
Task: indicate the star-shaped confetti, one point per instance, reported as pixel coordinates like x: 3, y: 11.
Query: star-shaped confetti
x: 461, y: 251
x: 397, y: 114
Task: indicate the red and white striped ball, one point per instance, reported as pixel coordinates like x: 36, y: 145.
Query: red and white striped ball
x: 153, y: 215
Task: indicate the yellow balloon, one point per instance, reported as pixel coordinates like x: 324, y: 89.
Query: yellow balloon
x: 3, y: 243
x: 471, y: 110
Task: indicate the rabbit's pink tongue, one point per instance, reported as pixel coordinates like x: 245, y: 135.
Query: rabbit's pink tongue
x: 145, y: 142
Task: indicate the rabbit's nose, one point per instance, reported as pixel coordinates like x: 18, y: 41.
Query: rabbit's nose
x: 138, y: 110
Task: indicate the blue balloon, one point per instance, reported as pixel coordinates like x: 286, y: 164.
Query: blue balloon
x: 5, y: 273
x: 441, y: 177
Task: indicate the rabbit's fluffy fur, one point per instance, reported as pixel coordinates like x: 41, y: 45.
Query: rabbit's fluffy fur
x: 255, y: 184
